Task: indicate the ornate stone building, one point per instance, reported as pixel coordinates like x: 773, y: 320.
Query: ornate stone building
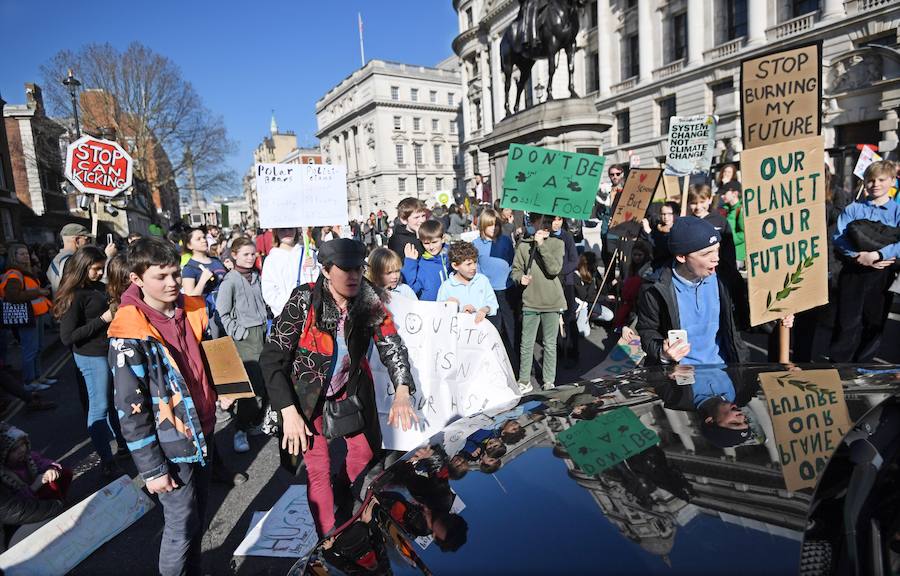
x: 396, y: 127
x: 641, y: 61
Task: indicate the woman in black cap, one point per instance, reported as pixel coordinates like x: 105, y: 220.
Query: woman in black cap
x: 318, y: 377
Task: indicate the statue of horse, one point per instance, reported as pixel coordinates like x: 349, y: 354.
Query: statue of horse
x: 557, y: 26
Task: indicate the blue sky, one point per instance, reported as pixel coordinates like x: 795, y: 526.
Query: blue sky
x: 244, y: 58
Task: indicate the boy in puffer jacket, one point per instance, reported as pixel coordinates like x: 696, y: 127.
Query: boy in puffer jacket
x: 166, y: 404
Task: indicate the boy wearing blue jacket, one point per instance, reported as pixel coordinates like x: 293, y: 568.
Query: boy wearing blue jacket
x: 471, y: 290
x: 425, y: 272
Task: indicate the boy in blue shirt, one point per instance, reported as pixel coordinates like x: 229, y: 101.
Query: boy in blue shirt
x: 425, y: 272
x: 471, y: 290
x: 864, y: 297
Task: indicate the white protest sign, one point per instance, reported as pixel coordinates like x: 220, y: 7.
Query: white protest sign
x: 61, y: 544
x: 294, y: 195
x: 692, y: 141
x: 286, y: 531
x: 866, y: 157
x: 460, y: 368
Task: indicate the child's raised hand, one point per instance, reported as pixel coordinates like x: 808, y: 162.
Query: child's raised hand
x: 51, y: 475
x: 410, y: 252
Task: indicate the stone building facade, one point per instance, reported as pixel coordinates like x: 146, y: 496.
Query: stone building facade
x: 397, y: 128
x: 641, y: 61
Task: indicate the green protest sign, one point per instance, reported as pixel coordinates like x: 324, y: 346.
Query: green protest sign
x: 551, y: 181
x: 610, y: 438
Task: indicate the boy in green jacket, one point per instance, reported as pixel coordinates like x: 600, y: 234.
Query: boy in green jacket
x: 536, y: 266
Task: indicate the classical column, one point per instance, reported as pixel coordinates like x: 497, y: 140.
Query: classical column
x: 645, y: 39
x: 696, y: 32
x: 487, y: 107
x: 604, y: 56
x: 832, y: 9
x: 757, y: 21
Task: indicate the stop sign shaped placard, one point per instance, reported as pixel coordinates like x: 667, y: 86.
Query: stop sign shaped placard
x: 97, y: 166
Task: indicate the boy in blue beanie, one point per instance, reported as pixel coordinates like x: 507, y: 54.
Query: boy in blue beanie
x: 688, y: 295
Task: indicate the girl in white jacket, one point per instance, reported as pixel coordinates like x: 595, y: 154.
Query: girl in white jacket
x: 289, y: 264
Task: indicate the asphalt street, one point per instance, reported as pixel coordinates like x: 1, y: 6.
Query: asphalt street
x: 61, y: 434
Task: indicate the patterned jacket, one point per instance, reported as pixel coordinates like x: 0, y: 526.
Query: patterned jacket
x: 297, y: 360
x: 157, y: 414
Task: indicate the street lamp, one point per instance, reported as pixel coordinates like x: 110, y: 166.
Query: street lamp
x: 72, y: 84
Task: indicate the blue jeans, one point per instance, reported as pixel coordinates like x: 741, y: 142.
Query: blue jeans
x: 101, y: 422
x: 184, y: 511
x: 32, y: 340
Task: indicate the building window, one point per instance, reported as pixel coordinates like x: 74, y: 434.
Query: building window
x: 592, y: 14
x: 735, y: 18
x: 723, y: 96
x: 432, y: 96
x: 401, y: 184
x: 454, y: 151
x: 438, y: 183
x: 623, y: 127
x: 417, y: 124
x: 592, y: 74
x: 679, y: 37
x: 474, y: 155
x: 450, y: 99
x: 420, y: 185
x: 453, y: 126
x: 470, y: 18
x: 631, y: 60
x: 2, y: 175
x: 417, y: 149
x: 801, y: 7
x: 666, y: 111
x: 398, y: 123
x: 476, y: 111
x: 437, y: 153
x: 399, y: 150
x: 395, y: 92
x: 435, y: 125
x: 631, y: 4
x: 888, y: 39
x: 414, y: 94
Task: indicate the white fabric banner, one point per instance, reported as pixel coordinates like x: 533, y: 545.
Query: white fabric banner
x: 460, y: 368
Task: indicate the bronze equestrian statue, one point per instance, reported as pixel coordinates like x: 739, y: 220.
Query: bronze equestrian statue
x: 542, y: 28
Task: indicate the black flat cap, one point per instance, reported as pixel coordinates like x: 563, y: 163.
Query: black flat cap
x: 345, y: 253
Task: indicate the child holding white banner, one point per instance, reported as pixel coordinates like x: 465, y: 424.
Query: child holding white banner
x: 469, y: 289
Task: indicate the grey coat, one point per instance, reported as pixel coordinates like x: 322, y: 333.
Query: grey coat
x: 240, y: 304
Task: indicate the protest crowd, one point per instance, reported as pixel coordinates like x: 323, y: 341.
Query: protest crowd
x: 307, y: 307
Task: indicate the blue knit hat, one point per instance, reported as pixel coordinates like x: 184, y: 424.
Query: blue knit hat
x: 690, y: 234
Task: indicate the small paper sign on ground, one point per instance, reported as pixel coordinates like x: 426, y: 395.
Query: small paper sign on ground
x: 809, y: 418
x: 785, y: 229
x: 551, y: 181
x: 781, y: 96
x: 286, y: 531
x: 294, y: 195
x: 610, y: 438
x: 635, y: 197
x: 692, y: 141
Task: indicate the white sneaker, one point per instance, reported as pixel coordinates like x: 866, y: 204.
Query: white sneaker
x: 525, y: 387
x: 36, y: 387
x: 240, y: 442
x: 549, y: 387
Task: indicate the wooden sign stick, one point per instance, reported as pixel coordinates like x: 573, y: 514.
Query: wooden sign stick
x: 684, y: 195
x: 612, y: 264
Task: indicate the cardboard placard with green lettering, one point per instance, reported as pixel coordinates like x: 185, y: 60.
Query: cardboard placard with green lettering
x: 610, y: 438
x: 784, y: 228
x: 637, y: 193
x: 781, y: 96
x: 551, y: 181
x: 809, y: 418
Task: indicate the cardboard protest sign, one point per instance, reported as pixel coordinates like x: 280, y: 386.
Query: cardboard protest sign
x: 551, y: 181
x: 610, y: 438
x: 62, y: 543
x: 460, y: 368
x: 636, y: 195
x: 671, y: 188
x: 809, y: 419
x: 784, y: 228
x: 286, y: 531
x: 226, y: 369
x: 866, y: 157
x: 293, y: 195
x: 692, y: 142
x: 781, y: 95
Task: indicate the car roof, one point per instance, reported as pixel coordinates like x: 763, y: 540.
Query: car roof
x: 675, y: 490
